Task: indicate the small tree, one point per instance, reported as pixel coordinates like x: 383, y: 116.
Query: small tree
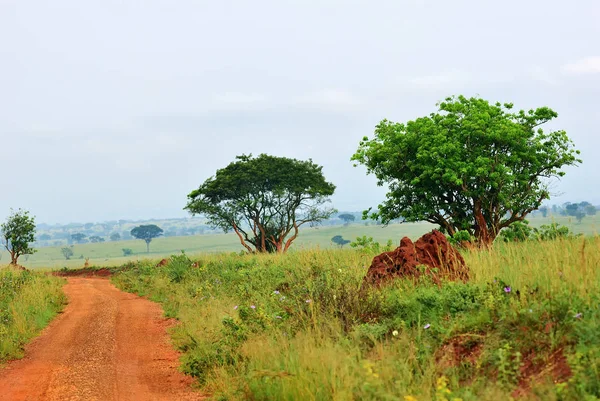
x: 340, y: 241
x: 17, y: 232
x: 115, y: 236
x: 590, y: 210
x: 78, y: 237
x: 95, y: 239
x: 544, y: 211
x: 127, y: 251
x: 347, y: 217
x: 67, y: 252
x: 147, y: 233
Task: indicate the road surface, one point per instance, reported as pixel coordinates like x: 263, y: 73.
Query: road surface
x: 107, y: 345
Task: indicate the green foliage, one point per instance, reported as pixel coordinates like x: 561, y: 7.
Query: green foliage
x: 17, y: 232
x: 264, y: 200
x: 127, y: 251
x: 95, y: 239
x: 552, y: 231
x: 67, y: 252
x: 518, y: 231
x: 339, y: 240
x: 115, y: 237
x: 461, y: 237
x: 79, y: 237
x: 590, y: 210
x: 28, y: 301
x: 471, y: 166
x: 370, y: 246
x: 347, y: 217
x: 147, y: 233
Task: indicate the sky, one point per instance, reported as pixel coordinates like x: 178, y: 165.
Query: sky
x: 118, y: 109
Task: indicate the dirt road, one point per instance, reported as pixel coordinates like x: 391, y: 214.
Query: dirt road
x: 107, y: 345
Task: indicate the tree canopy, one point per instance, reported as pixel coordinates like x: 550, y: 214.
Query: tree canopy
x: 347, y: 217
x: 147, y: 233
x: 471, y: 166
x: 264, y: 200
x: 18, y: 231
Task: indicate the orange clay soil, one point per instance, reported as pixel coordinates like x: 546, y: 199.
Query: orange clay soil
x: 106, y: 345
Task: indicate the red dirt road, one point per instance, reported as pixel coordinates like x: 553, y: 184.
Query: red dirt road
x: 107, y: 345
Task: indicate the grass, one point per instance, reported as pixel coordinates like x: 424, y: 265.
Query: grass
x: 28, y: 302
x: 110, y: 253
x: 297, y: 326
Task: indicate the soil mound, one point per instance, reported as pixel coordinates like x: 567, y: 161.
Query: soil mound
x: 431, y: 255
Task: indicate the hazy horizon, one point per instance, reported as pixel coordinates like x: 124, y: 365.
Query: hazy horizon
x: 117, y: 110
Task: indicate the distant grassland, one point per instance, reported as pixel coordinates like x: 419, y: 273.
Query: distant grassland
x: 110, y: 253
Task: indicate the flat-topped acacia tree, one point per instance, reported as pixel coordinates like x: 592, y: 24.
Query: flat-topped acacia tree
x: 471, y: 166
x: 264, y: 200
x: 147, y: 233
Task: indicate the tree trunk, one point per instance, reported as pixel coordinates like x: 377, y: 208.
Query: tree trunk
x: 235, y: 228
x: 14, y: 256
x: 482, y: 234
x: 147, y: 246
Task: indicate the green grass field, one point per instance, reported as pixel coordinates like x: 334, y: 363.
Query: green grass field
x: 110, y: 253
x: 298, y: 327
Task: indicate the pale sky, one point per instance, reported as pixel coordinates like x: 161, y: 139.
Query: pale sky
x: 118, y: 109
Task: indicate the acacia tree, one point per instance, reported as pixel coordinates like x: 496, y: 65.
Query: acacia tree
x: 147, y: 233
x: 347, y: 217
x: 471, y: 166
x: 264, y: 200
x: 17, y: 232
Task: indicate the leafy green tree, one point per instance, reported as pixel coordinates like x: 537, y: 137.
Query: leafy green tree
x: 67, y: 252
x: 78, y: 237
x: 576, y: 210
x: 518, y: 231
x: 147, y: 233
x: 347, y: 217
x: 590, y: 210
x: 17, y: 232
x: 471, y: 166
x: 264, y: 200
x: 340, y: 241
x: 115, y: 237
x: 95, y: 239
x: 544, y: 211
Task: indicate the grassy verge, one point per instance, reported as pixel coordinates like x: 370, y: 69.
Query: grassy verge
x: 28, y: 301
x: 296, y: 327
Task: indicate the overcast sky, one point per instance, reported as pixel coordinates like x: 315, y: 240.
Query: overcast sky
x: 118, y: 109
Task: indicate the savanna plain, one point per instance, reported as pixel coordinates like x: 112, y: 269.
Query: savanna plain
x: 301, y: 326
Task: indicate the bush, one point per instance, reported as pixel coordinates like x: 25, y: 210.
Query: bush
x: 127, y: 251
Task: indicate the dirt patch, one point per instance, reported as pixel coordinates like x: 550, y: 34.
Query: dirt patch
x: 537, y: 370
x: 104, y: 272
x: 466, y: 348
x: 431, y: 255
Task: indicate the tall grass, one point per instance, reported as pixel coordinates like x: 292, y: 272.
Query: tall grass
x: 28, y: 301
x: 297, y: 326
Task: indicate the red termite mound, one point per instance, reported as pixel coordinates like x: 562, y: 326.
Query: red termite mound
x: 431, y: 255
